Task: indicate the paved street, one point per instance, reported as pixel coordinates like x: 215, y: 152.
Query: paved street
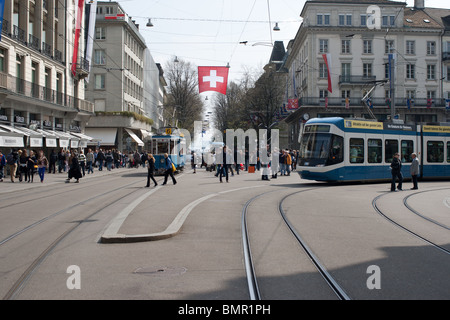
x: 184, y: 242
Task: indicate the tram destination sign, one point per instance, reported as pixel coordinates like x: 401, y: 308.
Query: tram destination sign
x: 396, y: 126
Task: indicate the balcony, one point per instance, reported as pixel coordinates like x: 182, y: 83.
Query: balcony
x: 418, y: 103
x: 82, y: 68
x: 47, y: 49
x: 34, y: 43
x: 356, y: 80
x: 19, y: 35
x: 22, y: 88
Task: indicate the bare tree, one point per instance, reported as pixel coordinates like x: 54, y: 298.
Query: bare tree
x: 228, y: 108
x: 184, y: 102
x: 265, y: 99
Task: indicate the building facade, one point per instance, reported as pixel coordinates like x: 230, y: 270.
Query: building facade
x: 359, y: 46
x: 42, y: 98
x: 126, y: 105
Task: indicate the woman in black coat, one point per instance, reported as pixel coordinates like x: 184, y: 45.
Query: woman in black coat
x: 74, y: 171
x: 151, y: 170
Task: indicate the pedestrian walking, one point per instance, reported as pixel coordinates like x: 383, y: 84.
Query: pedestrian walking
x: 151, y: 170
x: 31, y: 166
x: 396, y: 170
x: 100, y: 159
x: 223, y: 166
x: 53, y: 159
x: 74, y: 171
x: 193, y: 165
x: 169, y: 170
x: 82, y: 162
x: 415, y: 171
x: 2, y: 165
x: 23, y: 160
x: 90, y: 158
x: 11, y: 159
x: 42, y: 164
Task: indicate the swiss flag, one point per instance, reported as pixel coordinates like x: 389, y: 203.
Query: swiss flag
x: 213, y: 79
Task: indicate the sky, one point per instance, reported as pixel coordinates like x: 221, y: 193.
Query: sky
x: 209, y: 32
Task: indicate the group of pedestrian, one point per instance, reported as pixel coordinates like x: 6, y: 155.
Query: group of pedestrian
x: 169, y: 170
x: 396, y: 170
x: 23, y: 165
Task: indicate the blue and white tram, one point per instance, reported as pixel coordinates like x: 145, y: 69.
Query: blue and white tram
x: 174, y: 146
x: 338, y: 150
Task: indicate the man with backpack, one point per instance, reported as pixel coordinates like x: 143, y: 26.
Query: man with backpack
x: 11, y: 160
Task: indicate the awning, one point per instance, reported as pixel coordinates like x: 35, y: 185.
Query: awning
x: 135, y: 138
x: 50, y: 139
x: 11, y: 140
x: 82, y: 136
x: 146, y: 134
x: 11, y: 129
x: 35, y: 138
x: 84, y: 139
x: 64, y: 138
x: 102, y: 136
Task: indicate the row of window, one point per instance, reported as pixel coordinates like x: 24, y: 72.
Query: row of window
x: 389, y: 46
x: 434, y: 151
x: 323, y: 19
x: 368, y: 71
x: 410, y: 94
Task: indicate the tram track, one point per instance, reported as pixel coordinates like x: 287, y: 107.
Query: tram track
x: 19, y: 284
x: 49, y: 217
x: 410, y: 208
x: 46, y: 190
x: 406, y: 229
x: 248, y: 259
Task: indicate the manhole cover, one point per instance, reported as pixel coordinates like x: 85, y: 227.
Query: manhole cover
x: 161, y: 271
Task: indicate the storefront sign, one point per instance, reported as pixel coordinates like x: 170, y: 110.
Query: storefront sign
x: 36, y: 142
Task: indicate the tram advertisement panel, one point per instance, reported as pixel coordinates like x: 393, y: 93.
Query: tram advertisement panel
x: 370, y: 125
x: 355, y: 124
x: 436, y: 129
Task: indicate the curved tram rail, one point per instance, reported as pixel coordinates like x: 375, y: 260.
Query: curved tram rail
x: 249, y: 265
x: 384, y: 215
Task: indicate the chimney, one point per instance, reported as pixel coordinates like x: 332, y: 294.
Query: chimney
x: 419, y: 4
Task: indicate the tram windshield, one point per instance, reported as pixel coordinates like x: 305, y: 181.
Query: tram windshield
x: 321, y: 149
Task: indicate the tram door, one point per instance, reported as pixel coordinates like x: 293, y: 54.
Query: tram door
x: 355, y: 156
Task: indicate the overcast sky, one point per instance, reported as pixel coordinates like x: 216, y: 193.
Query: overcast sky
x: 183, y: 28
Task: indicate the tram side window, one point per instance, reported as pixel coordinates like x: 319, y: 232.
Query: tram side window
x: 435, y: 151
x: 448, y: 152
x: 163, y: 147
x: 336, y: 152
x: 154, y: 147
x: 375, y: 150
x: 390, y: 150
x: 407, y: 150
x: 356, y: 150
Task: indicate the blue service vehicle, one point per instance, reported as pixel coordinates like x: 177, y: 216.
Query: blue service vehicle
x: 174, y: 146
x: 338, y: 149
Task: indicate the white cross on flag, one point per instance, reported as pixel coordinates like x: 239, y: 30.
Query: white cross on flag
x: 213, y: 79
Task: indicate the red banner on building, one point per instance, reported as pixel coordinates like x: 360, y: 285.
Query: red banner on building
x: 76, y: 44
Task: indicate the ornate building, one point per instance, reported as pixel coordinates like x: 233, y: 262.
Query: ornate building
x: 359, y: 46
x: 41, y: 90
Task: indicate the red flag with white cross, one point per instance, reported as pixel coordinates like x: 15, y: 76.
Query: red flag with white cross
x: 213, y: 79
